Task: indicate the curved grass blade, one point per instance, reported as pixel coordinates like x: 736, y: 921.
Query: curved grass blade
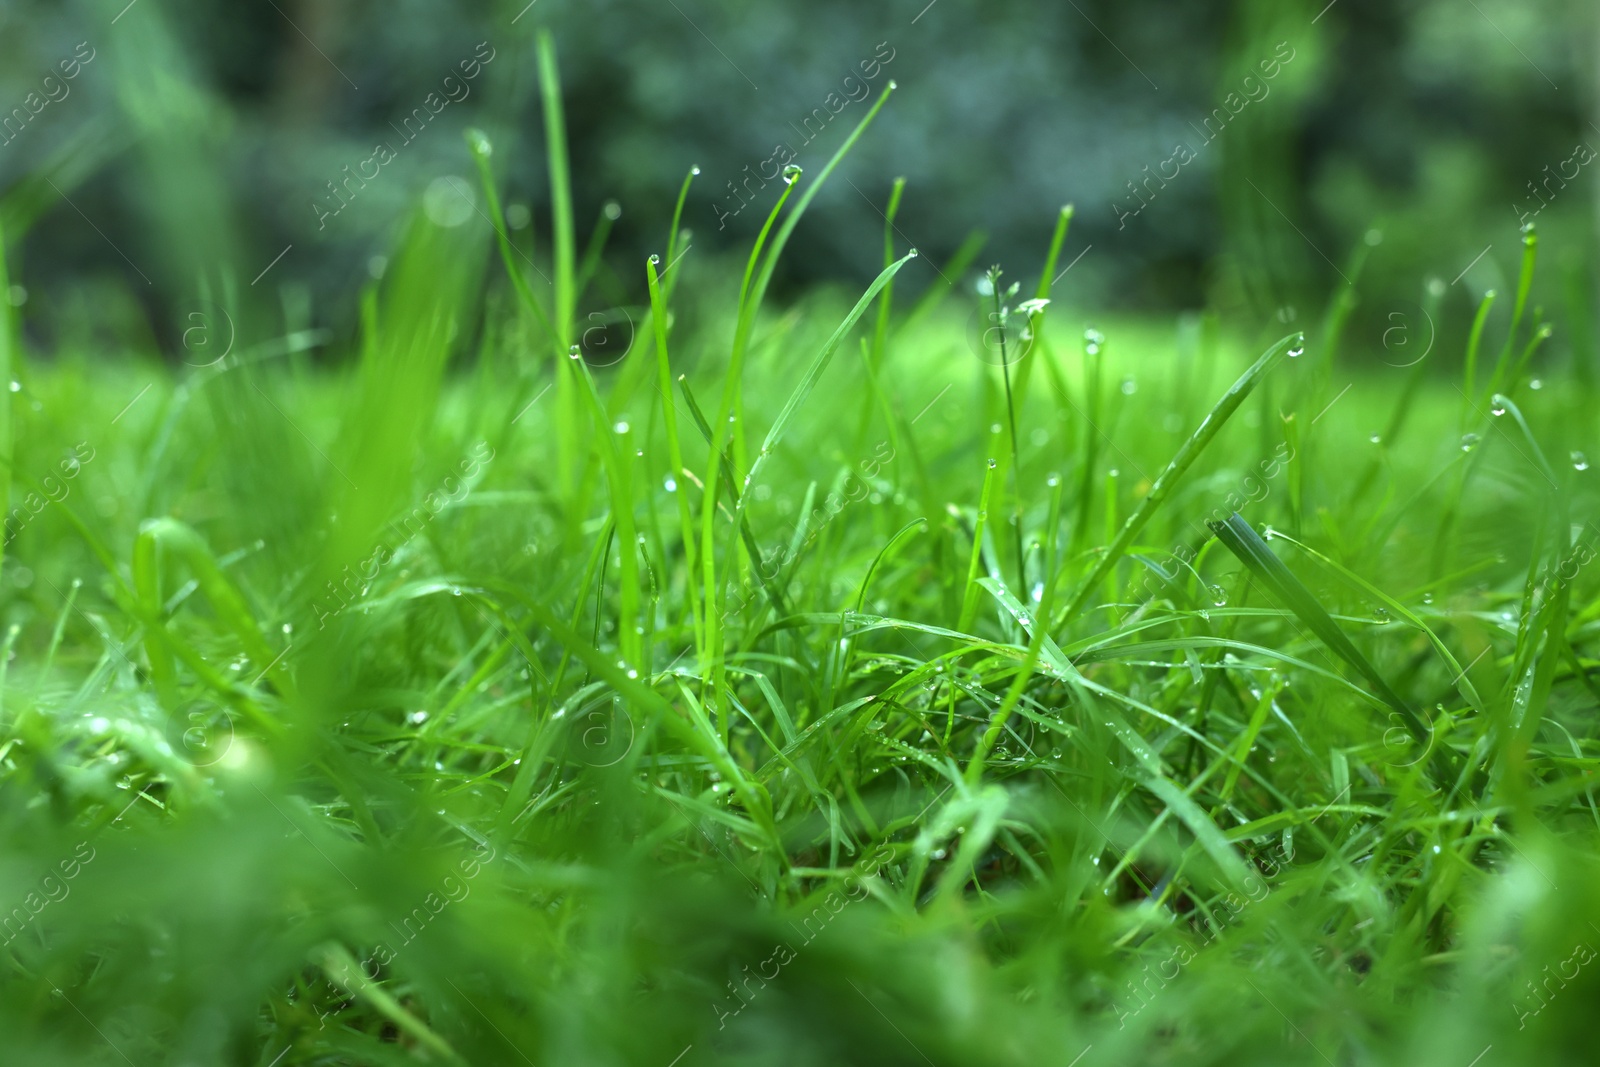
x: 479, y: 145
x: 819, y: 363
x: 1147, y: 771
x: 1240, y: 538
x: 676, y: 233
x: 757, y: 557
x: 1181, y: 462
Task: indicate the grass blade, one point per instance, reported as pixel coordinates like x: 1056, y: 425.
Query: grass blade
x: 1240, y: 538
x: 1181, y: 462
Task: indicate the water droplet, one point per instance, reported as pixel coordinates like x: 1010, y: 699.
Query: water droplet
x: 16, y: 387
x: 1435, y: 850
x: 791, y: 174
x: 1498, y: 408
x: 1535, y: 384
x: 417, y: 718
x: 994, y: 427
x: 573, y: 353
x: 613, y: 210
x: 1580, y: 462
x: 655, y: 259
x: 1219, y: 596
x: 992, y: 464
x: 938, y: 853
x: 1376, y: 439
x: 695, y: 169
x: 622, y: 427
x: 632, y: 673
x: 672, y: 485
x: 1427, y: 598
x: 1469, y: 441
x: 1129, y: 387
x: 1297, y: 350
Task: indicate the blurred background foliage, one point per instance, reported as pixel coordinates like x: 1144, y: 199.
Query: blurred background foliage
x: 205, y: 133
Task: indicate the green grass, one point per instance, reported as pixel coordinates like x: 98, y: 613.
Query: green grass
x: 455, y: 701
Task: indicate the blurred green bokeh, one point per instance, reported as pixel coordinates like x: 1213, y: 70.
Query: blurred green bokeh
x: 211, y: 136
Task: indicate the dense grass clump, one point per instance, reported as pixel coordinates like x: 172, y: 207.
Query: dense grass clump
x: 860, y: 682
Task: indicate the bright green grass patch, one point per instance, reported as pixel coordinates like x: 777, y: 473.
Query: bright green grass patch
x: 466, y: 702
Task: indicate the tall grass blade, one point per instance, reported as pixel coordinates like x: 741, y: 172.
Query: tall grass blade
x: 1196, y: 444
x: 1241, y: 539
